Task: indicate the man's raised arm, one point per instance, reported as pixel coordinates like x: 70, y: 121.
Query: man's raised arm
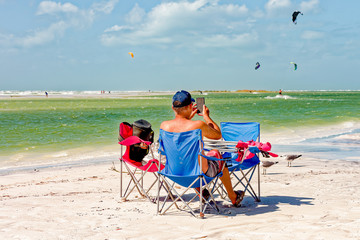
x: 210, y: 129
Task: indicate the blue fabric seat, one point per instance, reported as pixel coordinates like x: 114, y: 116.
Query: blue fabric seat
x: 182, y: 152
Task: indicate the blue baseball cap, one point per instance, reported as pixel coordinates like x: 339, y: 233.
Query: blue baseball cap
x: 182, y: 98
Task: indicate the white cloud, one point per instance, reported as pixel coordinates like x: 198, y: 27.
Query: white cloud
x: 105, y: 7
x: 36, y: 38
x: 49, y: 7
x: 6, y: 39
x: 117, y: 28
x: 222, y: 40
x: 258, y: 14
x: 272, y: 5
x: 136, y: 14
x: 182, y: 23
x: 44, y: 36
x: 80, y: 18
x: 309, y: 5
x: 309, y: 35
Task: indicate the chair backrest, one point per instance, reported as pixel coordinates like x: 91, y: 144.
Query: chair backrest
x: 240, y: 131
x: 182, y: 152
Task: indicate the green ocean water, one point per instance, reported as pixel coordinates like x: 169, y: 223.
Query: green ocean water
x: 53, y: 124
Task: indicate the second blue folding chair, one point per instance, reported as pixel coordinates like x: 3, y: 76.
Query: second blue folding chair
x: 243, y: 172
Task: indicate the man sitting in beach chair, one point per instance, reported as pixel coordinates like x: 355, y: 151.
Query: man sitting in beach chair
x: 185, y: 110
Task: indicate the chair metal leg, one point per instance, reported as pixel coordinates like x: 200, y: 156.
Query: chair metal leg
x: 158, y: 195
x: 121, y: 180
x: 200, y: 200
x: 258, y: 199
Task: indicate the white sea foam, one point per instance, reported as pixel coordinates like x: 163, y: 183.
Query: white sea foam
x: 60, y: 154
x: 355, y: 136
x: 280, y: 97
x: 323, y: 90
x: 339, y: 141
x: 300, y: 134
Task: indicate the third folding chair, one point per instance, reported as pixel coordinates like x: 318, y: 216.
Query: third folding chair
x: 243, y: 172
x: 137, y: 139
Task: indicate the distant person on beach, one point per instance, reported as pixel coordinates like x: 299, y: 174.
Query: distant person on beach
x: 46, y: 94
x: 184, y: 110
x: 280, y: 92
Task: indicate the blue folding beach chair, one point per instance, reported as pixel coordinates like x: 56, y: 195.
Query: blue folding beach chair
x: 182, y: 152
x: 242, y: 172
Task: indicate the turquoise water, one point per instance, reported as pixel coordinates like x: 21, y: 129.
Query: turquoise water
x: 54, y: 124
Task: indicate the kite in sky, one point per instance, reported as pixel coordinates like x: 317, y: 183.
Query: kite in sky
x: 131, y: 54
x: 294, y: 16
x: 257, y: 66
x: 295, y: 65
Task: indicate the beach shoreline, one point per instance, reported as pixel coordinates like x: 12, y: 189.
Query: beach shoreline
x: 118, y: 94
x: 72, y: 157
x: 314, y: 199
x: 287, y: 141
x: 302, y: 141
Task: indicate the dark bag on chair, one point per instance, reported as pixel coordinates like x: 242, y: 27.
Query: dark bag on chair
x: 142, y: 129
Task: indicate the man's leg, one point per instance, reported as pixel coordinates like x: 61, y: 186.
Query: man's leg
x: 235, y: 197
x: 225, y: 179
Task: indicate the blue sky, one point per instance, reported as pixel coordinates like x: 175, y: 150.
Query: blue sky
x: 193, y: 44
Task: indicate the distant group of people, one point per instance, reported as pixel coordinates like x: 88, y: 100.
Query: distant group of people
x: 103, y: 92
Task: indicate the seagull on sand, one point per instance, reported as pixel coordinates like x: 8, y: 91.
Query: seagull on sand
x: 291, y: 158
x: 267, y: 164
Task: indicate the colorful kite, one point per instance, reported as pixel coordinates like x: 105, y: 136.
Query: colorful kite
x: 295, y: 65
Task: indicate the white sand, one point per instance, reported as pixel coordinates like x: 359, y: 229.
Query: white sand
x: 311, y: 200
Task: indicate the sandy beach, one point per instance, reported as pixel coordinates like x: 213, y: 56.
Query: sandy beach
x: 313, y: 199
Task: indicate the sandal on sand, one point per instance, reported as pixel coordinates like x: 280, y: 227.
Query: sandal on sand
x: 239, y: 197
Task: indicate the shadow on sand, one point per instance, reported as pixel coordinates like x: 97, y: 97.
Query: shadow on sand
x: 249, y: 206
x: 272, y: 173
x: 269, y: 204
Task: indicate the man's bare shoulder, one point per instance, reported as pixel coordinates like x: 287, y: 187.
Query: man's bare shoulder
x: 165, y: 125
x: 181, y: 126
x: 197, y: 124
